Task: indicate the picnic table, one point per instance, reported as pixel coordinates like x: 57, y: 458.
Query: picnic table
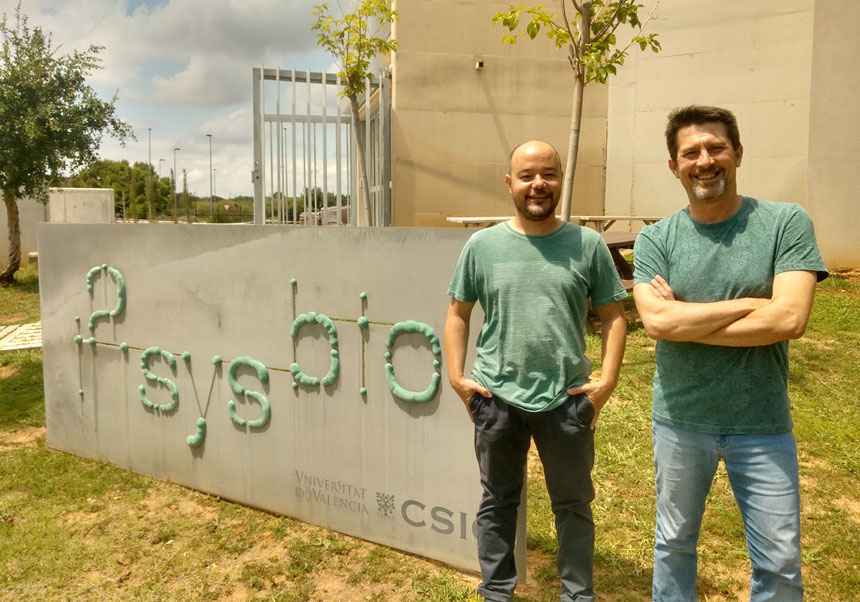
x: 601, y: 222
x: 617, y: 241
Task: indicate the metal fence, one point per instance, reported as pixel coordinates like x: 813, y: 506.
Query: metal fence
x: 304, y: 151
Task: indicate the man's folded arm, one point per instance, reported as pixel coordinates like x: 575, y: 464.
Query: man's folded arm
x: 666, y: 318
x: 784, y: 317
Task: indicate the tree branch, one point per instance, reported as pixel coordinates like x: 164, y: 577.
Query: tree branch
x: 572, y: 49
x: 613, y: 22
x: 641, y: 26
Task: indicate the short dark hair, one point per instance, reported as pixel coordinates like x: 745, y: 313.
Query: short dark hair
x: 513, y: 150
x: 697, y: 115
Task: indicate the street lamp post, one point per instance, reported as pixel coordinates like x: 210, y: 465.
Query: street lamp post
x: 174, y: 183
x: 149, y: 178
x: 211, y: 199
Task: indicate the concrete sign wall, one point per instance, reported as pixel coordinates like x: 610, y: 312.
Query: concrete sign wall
x: 81, y: 206
x: 30, y: 212
x: 297, y: 370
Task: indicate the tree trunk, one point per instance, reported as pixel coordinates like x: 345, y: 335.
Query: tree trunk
x: 7, y: 276
x: 363, y: 180
x: 576, y: 109
x: 572, y: 149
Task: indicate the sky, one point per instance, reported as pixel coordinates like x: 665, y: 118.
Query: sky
x: 183, y: 68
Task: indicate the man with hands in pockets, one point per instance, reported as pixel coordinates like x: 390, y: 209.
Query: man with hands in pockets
x: 534, y: 276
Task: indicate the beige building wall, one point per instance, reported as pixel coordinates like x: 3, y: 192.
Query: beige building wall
x: 453, y: 125
x: 30, y: 212
x: 754, y: 58
x: 834, y: 132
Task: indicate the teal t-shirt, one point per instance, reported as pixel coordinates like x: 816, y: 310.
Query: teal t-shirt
x: 709, y: 388
x: 534, y: 291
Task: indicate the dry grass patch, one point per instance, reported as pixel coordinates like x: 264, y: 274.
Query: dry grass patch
x: 27, y: 437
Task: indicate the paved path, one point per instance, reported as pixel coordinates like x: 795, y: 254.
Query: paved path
x: 21, y: 336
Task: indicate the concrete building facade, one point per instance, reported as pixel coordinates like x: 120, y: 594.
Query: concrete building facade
x: 461, y: 100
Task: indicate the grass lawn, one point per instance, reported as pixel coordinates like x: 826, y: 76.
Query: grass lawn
x: 74, y: 529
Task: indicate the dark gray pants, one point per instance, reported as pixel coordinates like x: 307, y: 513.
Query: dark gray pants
x: 566, y: 448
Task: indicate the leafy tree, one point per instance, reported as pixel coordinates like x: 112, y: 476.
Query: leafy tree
x: 352, y: 45
x: 591, y: 44
x: 51, y: 121
x: 128, y: 183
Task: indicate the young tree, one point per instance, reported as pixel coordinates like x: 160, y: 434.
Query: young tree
x: 351, y: 44
x: 587, y: 28
x: 51, y: 121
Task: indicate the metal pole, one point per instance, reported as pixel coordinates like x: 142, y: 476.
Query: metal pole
x: 353, y: 185
x: 175, y: 183
x: 338, y: 162
x: 308, y: 203
x: 367, y: 157
x: 259, y: 147
x: 211, y: 198
x: 149, y: 177
x: 271, y: 171
x: 278, y: 123
x: 293, y: 78
x: 385, y: 147
x: 316, y: 171
x: 324, y: 219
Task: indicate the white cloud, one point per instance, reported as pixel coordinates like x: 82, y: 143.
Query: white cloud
x: 183, y: 68
x: 211, y: 44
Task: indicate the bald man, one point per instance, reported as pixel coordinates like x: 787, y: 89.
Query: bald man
x: 534, y: 276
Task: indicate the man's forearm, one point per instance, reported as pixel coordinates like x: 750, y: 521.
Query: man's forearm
x: 784, y: 316
x: 674, y: 320
x: 762, y: 327
x: 614, y: 341
x: 456, y: 341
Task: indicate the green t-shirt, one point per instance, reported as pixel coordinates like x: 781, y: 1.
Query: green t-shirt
x: 534, y: 291
x: 709, y: 388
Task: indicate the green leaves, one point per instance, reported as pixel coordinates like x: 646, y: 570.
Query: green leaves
x: 58, y: 119
x: 539, y: 19
x: 595, y: 57
x: 351, y: 43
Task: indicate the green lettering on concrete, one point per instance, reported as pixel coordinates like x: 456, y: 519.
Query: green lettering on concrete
x: 238, y: 389
x: 120, y: 294
x: 165, y: 382
x: 411, y: 326
x: 196, y: 440
x: 334, y: 366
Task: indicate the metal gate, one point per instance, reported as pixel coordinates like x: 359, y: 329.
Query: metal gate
x: 303, y: 157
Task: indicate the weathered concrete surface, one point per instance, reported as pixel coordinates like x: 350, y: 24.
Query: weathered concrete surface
x: 65, y: 205
x: 395, y: 472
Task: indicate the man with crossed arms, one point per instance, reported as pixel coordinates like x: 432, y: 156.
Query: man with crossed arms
x: 723, y: 284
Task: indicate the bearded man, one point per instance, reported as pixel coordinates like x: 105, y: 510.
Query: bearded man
x: 534, y: 276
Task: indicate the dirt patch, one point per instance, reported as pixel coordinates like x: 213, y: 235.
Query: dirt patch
x: 850, y: 507
x: 8, y: 371
x: 28, y: 437
x: 15, y: 318
x: 819, y: 344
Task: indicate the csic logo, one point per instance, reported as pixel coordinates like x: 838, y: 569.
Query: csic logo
x: 385, y: 502
x: 438, y: 518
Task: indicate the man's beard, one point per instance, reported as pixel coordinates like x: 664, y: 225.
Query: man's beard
x: 703, y: 193
x: 536, y: 214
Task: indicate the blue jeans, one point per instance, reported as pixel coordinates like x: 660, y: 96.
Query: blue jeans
x: 566, y: 448
x: 762, y: 471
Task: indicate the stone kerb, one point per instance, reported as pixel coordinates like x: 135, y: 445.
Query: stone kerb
x: 297, y: 370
